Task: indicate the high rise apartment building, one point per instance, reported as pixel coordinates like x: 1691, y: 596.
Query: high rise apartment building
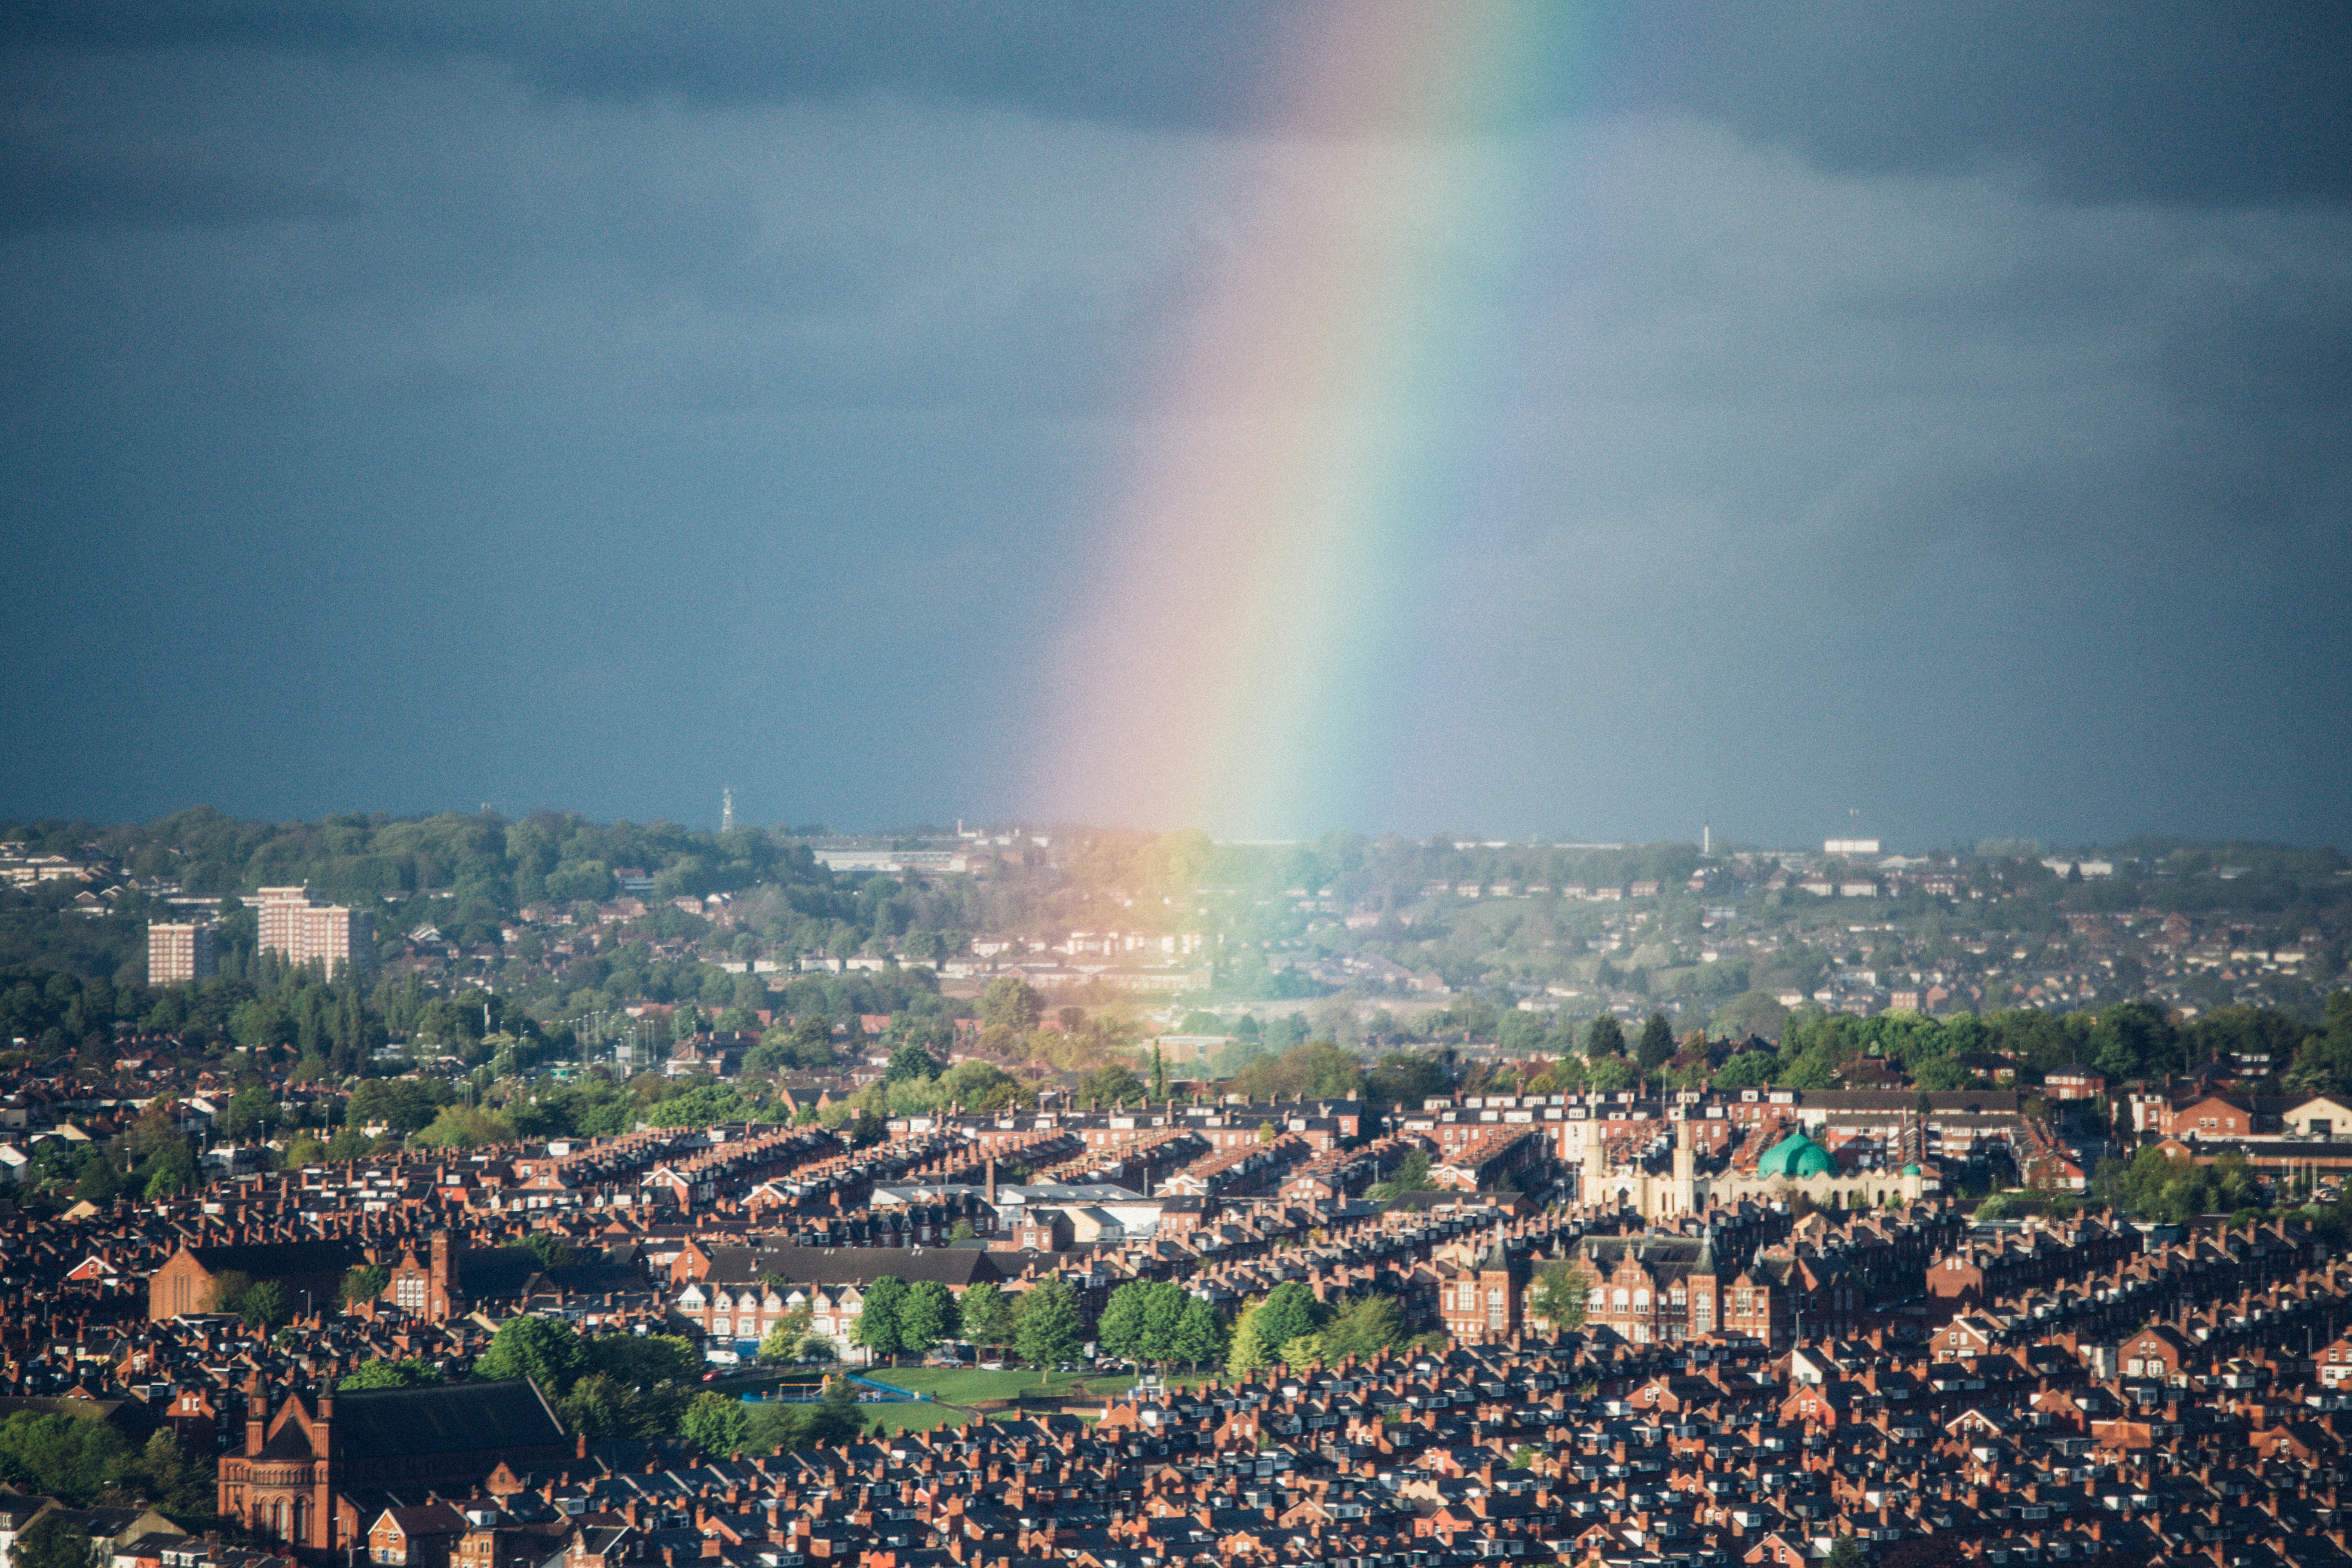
x: 301, y: 930
x: 179, y: 953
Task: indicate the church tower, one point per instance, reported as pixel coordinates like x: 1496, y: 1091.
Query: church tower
x: 1704, y: 1296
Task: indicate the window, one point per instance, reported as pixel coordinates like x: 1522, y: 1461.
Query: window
x: 1641, y: 1300
x: 410, y: 1292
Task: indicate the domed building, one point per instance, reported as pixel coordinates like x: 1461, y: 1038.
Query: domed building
x: 1794, y: 1165
x: 1798, y: 1158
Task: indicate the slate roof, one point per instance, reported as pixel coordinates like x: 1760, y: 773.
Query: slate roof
x: 281, y: 1260
x: 444, y: 1418
x: 491, y: 1272
x: 851, y: 1265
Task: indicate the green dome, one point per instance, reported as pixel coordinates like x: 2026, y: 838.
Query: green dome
x: 1798, y: 1156
x: 1911, y: 1169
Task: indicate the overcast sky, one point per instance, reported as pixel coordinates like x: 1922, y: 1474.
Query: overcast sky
x: 1937, y: 411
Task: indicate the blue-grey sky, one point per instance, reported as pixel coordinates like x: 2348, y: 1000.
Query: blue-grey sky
x: 1938, y: 411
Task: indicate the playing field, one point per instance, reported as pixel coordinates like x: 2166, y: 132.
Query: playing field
x: 961, y: 1387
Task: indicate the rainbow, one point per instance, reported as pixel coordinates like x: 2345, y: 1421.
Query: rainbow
x: 1317, y: 430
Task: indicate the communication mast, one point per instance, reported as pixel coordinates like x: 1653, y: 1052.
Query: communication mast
x: 727, y: 810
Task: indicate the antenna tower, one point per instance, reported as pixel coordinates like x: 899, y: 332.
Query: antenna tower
x: 727, y: 810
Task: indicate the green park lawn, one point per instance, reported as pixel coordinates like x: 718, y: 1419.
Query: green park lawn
x: 961, y: 1387
x: 910, y: 1417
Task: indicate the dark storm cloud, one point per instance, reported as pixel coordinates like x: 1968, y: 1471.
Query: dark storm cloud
x: 2178, y: 102
x: 411, y: 405
x: 93, y: 192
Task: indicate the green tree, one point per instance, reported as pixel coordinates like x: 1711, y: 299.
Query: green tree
x: 409, y: 1371
x: 2132, y: 1040
x: 926, y: 1316
x: 1613, y: 1073
x: 1404, y: 1079
x: 182, y: 1489
x: 1411, y: 1175
x: 1246, y: 1354
x: 1113, y: 1084
x: 266, y: 1305
x: 365, y: 1283
x: 403, y: 1105
x: 910, y: 1062
x: 464, y: 1127
x: 99, y: 1180
x: 644, y: 1359
x: 636, y: 1385
x: 226, y: 1293
x: 1940, y: 1075
x: 1749, y: 1069
x: 1010, y: 1003
x: 73, y: 1458
x: 250, y: 1113
x: 52, y: 1541
x: 540, y: 1349
x: 1657, y: 1046
x: 1363, y: 1326
x: 782, y: 1341
x: 1051, y: 1327
x: 1752, y: 1013
x: 988, y: 1315
x: 1604, y: 1037
x: 1562, y: 1289
x: 1845, y: 1551
x: 880, y: 1326
x: 716, y: 1424
x: 171, y: 1173
x: 1200, y: 1334
x: 2323, y: 1063
x: 1120, y: 1330
x: 834, y: 1418
x: 1163, y: 1320
x: 1287, y: 1312
x: 601, y: 1405
x: 552, y: 1250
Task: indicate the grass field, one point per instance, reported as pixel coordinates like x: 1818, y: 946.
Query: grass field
x: 910, y: 1417
x: 961, y: 1387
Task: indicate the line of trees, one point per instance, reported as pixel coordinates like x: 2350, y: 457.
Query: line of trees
x: 1163, y: 1322
x: 1291, y: 1327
